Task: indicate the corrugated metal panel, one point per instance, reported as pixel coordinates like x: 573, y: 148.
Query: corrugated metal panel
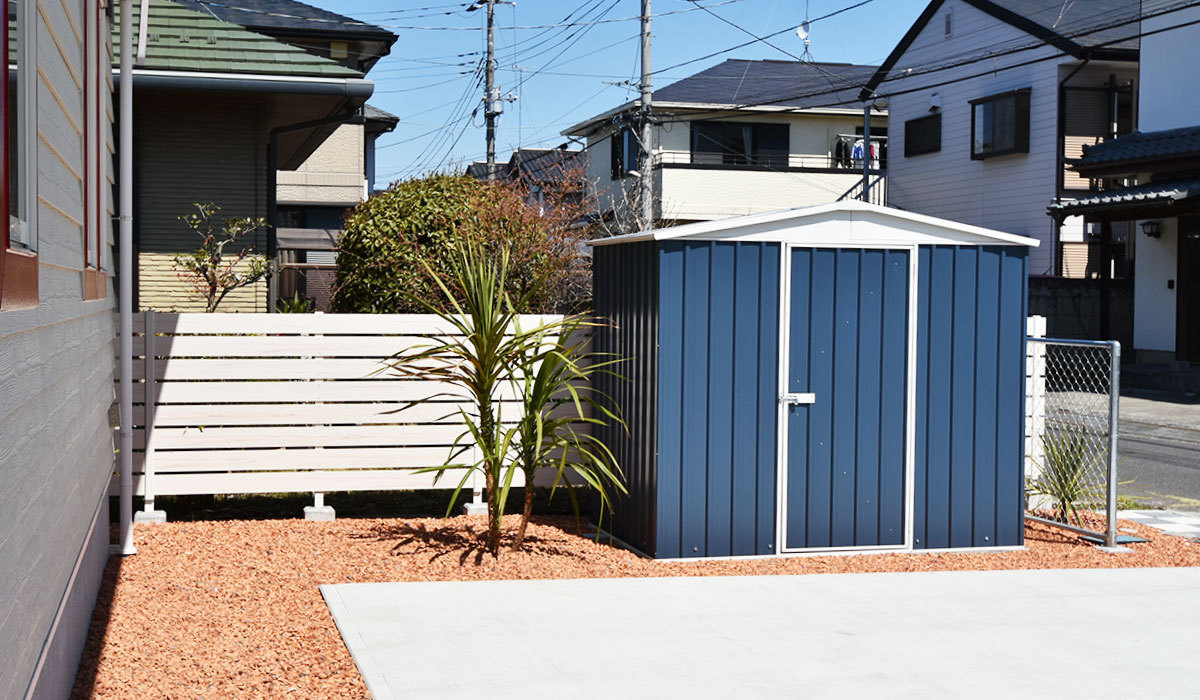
x: 970, y: 348
x: 626, y: 292
x: 718, y: 369
x: 846, y: 458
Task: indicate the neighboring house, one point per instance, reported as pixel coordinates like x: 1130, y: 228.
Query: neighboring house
x: 554, y: 174
x: 313, y: 200
x: 739, y: 138
x: 988, y: 98
x: 56, y: 340
x: 1152, y: 178
x: 210, y: 97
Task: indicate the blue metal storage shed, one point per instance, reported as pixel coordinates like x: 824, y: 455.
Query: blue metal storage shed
x: 838, y: 377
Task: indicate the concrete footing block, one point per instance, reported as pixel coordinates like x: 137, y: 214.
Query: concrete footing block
x: 474, y: 509
x: 321, y: 514
x: 150, y: 516
x: 1115, y: 550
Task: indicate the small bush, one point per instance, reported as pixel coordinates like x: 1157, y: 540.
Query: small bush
x: 388, y: 237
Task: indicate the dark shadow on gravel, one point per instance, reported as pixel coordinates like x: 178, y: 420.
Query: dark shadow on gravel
x: 85, y: 678
x: 468, y: 541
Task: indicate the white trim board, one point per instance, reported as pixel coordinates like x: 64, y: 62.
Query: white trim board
x: 846, y: 223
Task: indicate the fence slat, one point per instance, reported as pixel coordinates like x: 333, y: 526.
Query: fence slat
x: 251, y: 403
x: 297, y: 459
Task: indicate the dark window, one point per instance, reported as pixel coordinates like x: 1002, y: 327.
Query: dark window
x: 624, y: 153
x: 740, y: 143
x: 1000, y: 124
x: 923, y: 135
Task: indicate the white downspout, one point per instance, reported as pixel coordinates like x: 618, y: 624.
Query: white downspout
x: 127, y: 271
x: 143, y: 28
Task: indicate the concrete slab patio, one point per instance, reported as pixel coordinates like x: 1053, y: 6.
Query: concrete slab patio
x: 1111, y: 633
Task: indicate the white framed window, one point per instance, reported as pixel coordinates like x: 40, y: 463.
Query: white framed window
x: 22, y: 125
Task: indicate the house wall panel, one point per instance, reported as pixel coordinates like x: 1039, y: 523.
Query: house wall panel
x: 1006, y: 193
x: 175, y: 173
x: 56, y: 360
x: 700, y: 195
x: 710, y: 291
x: 970, y: 396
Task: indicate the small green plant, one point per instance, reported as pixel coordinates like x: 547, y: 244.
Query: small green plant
x: 557, y: 399
x: 296, y: 305
x: 489, y: 353
x: 1066, y: 474
x: 213, y: 272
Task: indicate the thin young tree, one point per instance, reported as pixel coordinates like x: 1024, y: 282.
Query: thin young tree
x: 212, y: 271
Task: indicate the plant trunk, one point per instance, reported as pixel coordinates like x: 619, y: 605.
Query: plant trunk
x: 526, y: 513
x: 492, y: 477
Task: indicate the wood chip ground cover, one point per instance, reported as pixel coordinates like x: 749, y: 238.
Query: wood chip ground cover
x: 231, y: 609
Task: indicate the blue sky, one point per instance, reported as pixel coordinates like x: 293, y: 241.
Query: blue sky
x: 566, y: 69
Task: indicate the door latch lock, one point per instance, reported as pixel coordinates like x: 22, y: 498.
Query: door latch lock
x: 798, y: 399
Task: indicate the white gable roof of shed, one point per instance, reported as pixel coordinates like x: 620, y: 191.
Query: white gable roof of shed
x: 848, y: 223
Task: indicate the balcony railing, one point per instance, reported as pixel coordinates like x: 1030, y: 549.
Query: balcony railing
x: 767, y: 162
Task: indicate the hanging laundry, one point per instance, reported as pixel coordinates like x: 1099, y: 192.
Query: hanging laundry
x: 859, y: 151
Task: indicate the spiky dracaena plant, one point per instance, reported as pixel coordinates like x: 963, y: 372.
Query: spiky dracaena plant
x: 487, y: 353
x: 558, y: 405
x: 1067, y: 474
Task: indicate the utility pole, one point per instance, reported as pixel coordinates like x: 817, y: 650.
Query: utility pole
x: 491, y: 99
x: 646, y: 150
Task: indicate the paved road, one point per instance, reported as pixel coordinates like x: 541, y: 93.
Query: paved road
x: 1098, y: 634
x: 1164, y: 471
x: 1160, y: 450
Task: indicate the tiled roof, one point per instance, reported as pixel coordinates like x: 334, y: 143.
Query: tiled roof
x: 286, y: 16
x: 1154, y: 194
x: 1141, y: 146
x: 180, y: 39
x: 373, y: 113
x: 544, y: 164
x: 1080, y: 21
x: 770, y: 83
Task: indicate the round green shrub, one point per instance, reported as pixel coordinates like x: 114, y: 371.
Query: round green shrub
x: 387, y: 237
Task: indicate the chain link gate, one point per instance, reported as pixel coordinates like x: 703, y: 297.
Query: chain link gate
x: 1072, y: 394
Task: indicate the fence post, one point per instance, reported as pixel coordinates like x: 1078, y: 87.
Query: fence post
x: 318, y: 511
x: 148, y: 513
x: 1035, y: 395
x: 1114, y: 426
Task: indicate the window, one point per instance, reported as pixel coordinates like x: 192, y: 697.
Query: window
x: 624, y: 153
x: 740, y: 143
x: 18, y: 249
x: 923, y: 135
x: 949, y: 23
x: 95, y: 279
x: 1000, y: 124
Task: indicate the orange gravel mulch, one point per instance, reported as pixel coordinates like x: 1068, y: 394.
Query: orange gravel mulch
x: 231, y: 609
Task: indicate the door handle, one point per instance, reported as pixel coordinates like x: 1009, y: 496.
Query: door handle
x: 798, y: 399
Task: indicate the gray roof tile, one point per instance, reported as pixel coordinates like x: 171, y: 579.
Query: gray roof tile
x: 770, y: 83
x: 1151, y: 194
x: 1140, y: 146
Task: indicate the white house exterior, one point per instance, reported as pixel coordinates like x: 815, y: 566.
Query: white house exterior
x: 56, y: 340
x: 781, y: 123
x: 1163, y: 105
x: 1152, y: 177
x: 968, y: 63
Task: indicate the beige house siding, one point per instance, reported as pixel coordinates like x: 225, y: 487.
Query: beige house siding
x: 56, y: 386
x: 163, y: 290
x: 332, y: 175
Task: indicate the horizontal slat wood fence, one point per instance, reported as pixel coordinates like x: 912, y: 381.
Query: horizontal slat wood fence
x: 265, y: 403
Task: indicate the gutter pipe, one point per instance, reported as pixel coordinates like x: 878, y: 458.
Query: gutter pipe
x: 339, y: 87
x: 126, y: 272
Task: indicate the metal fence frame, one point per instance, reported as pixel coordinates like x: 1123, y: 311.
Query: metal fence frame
x: 1113, y: 347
